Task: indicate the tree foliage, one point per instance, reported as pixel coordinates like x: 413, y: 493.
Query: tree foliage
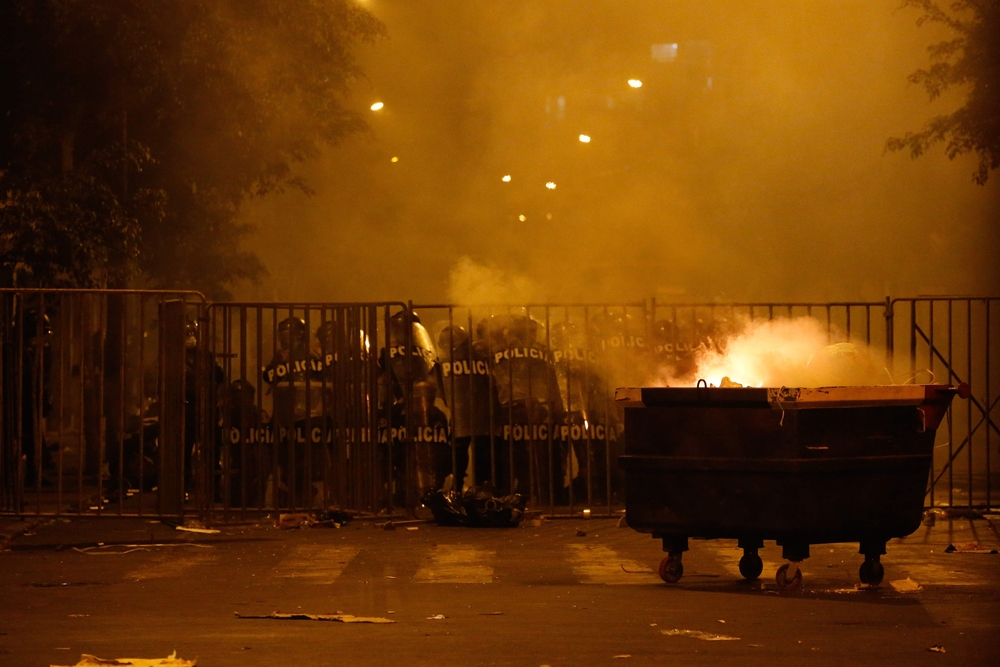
x: 137, y: 129
x: 971, y: 58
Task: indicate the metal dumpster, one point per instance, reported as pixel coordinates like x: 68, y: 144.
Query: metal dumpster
x: 800, y: 466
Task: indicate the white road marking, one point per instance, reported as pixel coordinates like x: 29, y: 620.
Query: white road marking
x: 601, y: 565
x: 315, y: 563
x: 170, y: 564
x: 457, y: 564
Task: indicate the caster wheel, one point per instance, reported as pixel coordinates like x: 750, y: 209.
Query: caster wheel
x: 871, y: 572
x: 751, y: 566
x: 786, y: 584
x: 671, y: 569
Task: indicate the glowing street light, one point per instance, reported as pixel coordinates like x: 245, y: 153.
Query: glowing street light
x: 584, y: 138
x: 550, y: 185
x: 394, y: 159
x: 635, y: 83
x: 521, y: 217
x: 377, y: 106
x: 506, y: 178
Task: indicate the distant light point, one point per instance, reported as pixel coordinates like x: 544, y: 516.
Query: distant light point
x: 521, y: 217
x: 506, y: 178
x: 377, y: 106
x: 585, y: 138
x: 550, y: 185
x: 394, y: 159
x: 635, y: 83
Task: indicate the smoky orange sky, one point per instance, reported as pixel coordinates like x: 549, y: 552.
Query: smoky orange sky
x: 750, y: 165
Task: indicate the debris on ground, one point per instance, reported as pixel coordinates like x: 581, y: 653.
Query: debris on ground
x: 491, y: 613
x: 477, y: 508
x: 907, y: 585
x: 203, y: 531
x: 937, y: 648
x: 320, y: 519
x: 437, y: 617
x: 338, y: 617
x: 969, y: 548
x: 622, y: 656
x: 119, y: 549
x: 581, y: 533
x: 170, y: 661
x: 697, y: 634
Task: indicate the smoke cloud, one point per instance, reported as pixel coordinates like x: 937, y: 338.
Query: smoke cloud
x: 749, y: 165
x: 472, y: 284
x: 790, y: 352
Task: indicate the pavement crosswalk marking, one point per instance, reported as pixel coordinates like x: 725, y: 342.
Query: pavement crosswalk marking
x: 601, y: 565
x: 457, y: 564
x: 173, y: 564
x: 315, y: 563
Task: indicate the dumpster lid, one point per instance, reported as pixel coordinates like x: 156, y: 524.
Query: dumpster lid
x: 785, y: 398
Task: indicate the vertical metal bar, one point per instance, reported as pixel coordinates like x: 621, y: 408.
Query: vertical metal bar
x: 142, y: 399
x: 848, y: 322
x: 453, y: 407
x: 265, y: 439
x: 969, y: 379
x: 244, y: 426
x: 63, y: 359
x: 84, y: 359
x: 988, y: 406
x: 102, y: 443
x: 548, y: 417
x: 123, y: 343
x: 951, y: 425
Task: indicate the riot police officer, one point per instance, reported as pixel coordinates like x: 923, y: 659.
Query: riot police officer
x: 471, y: 397
x: 295, y: 378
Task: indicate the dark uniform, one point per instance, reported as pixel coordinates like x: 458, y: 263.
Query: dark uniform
x: 531, y: 409
x: 584, y: 393
x: 295, y: 379
x: 419, y: 428
x: 471, y: 398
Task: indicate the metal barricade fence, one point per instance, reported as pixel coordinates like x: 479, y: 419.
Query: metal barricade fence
x: 99, y: 393
x: 307, y: 406
x: 954, y: 340
x: 140, y: 402
x: 528, y: 392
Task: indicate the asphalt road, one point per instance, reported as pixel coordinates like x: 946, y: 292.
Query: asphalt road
x: 534, y: 595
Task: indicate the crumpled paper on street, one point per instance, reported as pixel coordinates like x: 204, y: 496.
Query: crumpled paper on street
x: 339, y: 618
x: 697, y: 634
x: 170, y: 661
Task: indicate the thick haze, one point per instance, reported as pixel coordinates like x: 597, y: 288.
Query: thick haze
x: 748, y: 166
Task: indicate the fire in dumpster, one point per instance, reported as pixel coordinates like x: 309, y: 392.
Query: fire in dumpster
x: 792, y: 352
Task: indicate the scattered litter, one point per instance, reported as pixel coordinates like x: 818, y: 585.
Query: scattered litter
x: 119, y: 549
x: 969, y: 548
x: 937, y: 648
x: 622, y: 523
x: 203, y: 531
x: 412, y: 528
x: 581, y: 533
x: 697, y: 634
x: 170, y: 661
x: 438, y: 617
x: 79, y: 615
x: 907, y: 585
x: 721, y: 621
x: 339, y: 618
x: 322, y: 519
x: 622, y: 656
x: 477, y: 507
x: 652, y: 625
x: 491, y: 613
x: 622, y: 566
x: 586, y: 514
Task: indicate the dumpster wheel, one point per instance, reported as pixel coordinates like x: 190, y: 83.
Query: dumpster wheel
x: 751, y: 566
x: 871, y: 572
x: 671, y: 569
x: 786, y: 584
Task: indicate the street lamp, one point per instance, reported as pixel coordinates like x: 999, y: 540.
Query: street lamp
x: 377, y: 106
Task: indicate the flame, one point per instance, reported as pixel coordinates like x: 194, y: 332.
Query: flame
x: 791, y: 352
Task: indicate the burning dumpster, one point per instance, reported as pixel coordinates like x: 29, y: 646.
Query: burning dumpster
x: 800, y: 466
